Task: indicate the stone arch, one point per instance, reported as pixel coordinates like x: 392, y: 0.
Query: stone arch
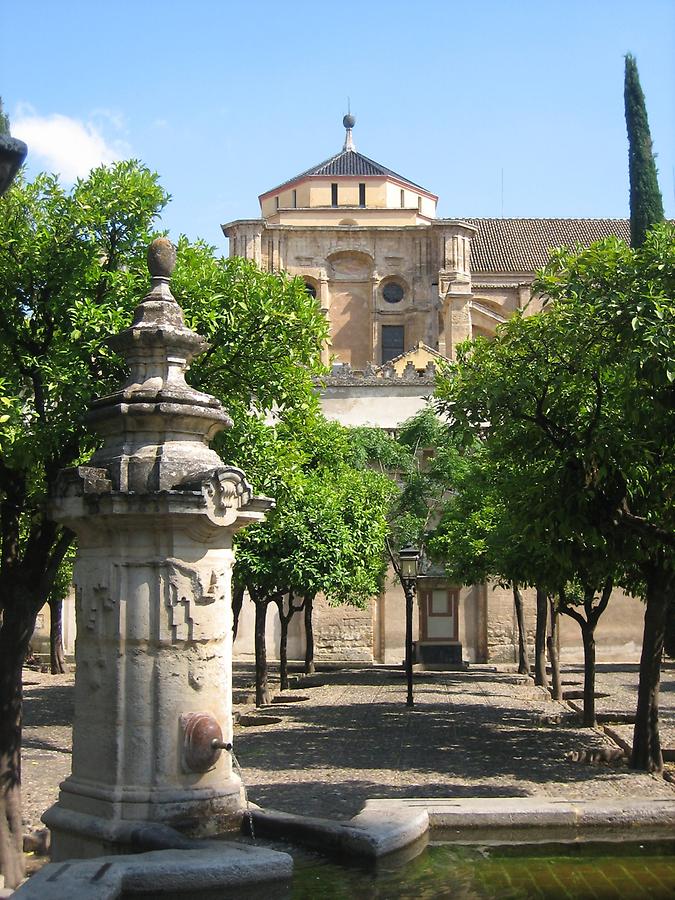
x: 311, y: 286
x: 350, y: 265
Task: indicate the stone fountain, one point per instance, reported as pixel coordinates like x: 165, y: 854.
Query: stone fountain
x: 155, y: 512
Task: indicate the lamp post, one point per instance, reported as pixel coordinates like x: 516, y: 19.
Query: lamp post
x: 408, y: 558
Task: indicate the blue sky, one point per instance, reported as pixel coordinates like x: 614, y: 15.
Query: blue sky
x: 512, y: 108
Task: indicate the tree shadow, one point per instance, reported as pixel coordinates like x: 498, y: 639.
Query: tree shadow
x: 469, y: 747
x: 346, y: 799
x: 33, y: 744
x: 49, y: 704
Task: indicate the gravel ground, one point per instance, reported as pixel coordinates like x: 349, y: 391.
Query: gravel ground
x: 470, y: 734
x: 477, y: 733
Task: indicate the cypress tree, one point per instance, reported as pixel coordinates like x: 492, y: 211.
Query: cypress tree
x: 646, y: 205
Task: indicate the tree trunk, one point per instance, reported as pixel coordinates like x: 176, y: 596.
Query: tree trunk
x: 284, y: 622
x: 588, y: 637
x: 669, y: 643
x: 18, y: 623
x: 25, y: 584
x: 56, y: 657
x: 540, y: 639
x: 647, y: 754
x: 552, y: 643
x: 523, y: 659
x: 237, y: 603
x: 309, y: 636
x: 262, y: 693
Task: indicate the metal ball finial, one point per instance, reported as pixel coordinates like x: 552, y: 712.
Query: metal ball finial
x: 349, y: 121
x: 161, y: 258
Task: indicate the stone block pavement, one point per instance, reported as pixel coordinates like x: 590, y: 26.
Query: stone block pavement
x: 476, y: 733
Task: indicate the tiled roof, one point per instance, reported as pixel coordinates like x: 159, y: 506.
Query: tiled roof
x: 349, y: 162
x: 523, y: 245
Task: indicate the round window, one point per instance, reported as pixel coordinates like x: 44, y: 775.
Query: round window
x: 393, y: 292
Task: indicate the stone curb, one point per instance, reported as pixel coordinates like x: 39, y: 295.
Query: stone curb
x: 371, y: 833
x: 385, y: 826
x: 530, y: 812
x: 107, y: 877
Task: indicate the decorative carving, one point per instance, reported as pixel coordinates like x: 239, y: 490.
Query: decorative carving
x: 227, y: 491
x: 186, y: 594
x: 90, y: 601
x: 80, y: 480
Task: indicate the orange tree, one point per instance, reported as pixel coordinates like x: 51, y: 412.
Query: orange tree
x: 580, y: 400
x: 326, y: 534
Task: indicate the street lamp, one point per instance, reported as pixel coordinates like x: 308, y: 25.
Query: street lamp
x: 408, y: 558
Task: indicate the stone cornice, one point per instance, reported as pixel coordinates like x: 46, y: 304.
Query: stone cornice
x: 236, y: 222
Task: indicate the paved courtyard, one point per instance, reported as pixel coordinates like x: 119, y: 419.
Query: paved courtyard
x: 478, y: 733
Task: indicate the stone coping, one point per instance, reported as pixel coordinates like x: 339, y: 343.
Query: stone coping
x: 372, y: 833
x: 387, y: 826
x: 215, y: 866
x: 535, y: 812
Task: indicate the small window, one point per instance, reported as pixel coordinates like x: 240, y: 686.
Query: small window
x: 440, y: 603
x: 393, y: 292
x: 276, y: 203
x: 392, y: 342
x: 419, y: 204
x: 362, y: 194
x: 294, y: 199
x: 402, y: 198
x: 310, y: 289
x: 333, y: 195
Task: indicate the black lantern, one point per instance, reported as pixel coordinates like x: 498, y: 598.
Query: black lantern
x: 408, y: 559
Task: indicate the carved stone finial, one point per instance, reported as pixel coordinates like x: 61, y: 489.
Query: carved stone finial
x: 409, y: 372
x: 161, y: 258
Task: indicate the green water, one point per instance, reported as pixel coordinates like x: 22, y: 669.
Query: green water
x: 572, y: 871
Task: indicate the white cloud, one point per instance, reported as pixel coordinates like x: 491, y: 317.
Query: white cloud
x: 64, y: 145
x: 110, y: 116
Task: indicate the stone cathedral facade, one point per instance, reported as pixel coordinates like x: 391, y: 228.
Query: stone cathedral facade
x: 401, y: 288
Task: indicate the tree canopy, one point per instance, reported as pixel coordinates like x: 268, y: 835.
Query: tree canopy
x: 327, y: 532
x: 576, y: 405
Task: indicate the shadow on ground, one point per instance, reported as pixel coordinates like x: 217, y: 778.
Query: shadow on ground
x: 345, y: 799
x: 49, y: 704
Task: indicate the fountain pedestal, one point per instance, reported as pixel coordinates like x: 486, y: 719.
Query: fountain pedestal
x: 155, y: 513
